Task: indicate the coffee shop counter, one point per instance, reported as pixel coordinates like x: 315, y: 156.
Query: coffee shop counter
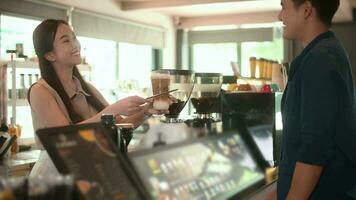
x: 20, y: 164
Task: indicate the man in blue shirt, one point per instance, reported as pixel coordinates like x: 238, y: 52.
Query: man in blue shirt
x: 317, y: 99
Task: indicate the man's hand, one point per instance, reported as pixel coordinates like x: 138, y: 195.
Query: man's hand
x: 305, y: 178
x: 272, y: 195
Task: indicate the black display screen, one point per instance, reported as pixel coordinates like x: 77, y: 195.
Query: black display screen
x: 214, y: 168
x: 263, y: 137
x: 87, y: 154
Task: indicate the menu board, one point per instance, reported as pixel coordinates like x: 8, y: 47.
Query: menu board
x: 216, y: 168
x: 89, y: 156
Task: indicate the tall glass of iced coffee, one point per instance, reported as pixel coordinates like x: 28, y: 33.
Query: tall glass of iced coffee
x: 160, y: 84
x: 172, y: 79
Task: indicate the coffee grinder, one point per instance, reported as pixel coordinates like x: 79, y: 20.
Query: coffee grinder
x: 171, y: 129
x: 205, y: 94
x: 165, y: 80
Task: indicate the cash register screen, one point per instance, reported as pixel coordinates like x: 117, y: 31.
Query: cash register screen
x: 87, y: 154
x: 263, y: 137
x: 217, y: 168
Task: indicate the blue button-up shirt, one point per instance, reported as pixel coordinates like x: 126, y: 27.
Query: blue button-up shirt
x: 319, y: 80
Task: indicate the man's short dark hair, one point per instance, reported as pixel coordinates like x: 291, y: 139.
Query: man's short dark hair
x: 326, y: 9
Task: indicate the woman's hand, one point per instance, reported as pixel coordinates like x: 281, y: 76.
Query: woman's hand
x: 149, y: 110
x: 127, y: 106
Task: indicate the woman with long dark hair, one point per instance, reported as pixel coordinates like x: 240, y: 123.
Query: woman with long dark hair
x: 62, y: 97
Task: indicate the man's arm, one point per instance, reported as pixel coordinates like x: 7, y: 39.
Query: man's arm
x: 319, y: 105
x: 305, y: 178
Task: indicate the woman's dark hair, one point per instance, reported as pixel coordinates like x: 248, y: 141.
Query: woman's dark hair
x: 326, y: 9
x: 43, y: 38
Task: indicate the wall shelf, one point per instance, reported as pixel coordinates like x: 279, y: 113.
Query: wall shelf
x: 19, y: 108
x: 19, y: 102
x: 26, y: 64
x: 34, y: 65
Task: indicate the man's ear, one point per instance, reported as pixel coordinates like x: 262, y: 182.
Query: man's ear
x: 308, y: 9
x: 50, y: 57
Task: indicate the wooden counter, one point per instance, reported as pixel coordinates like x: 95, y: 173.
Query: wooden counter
x: 19, y: 164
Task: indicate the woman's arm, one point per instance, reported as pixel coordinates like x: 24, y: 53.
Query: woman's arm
x: 42, y: 101
x: 138, y: 118
x: 127, y: 107
x: 135, y: 119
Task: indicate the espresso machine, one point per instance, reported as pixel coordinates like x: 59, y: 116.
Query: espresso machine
x: 258, y: 117
x: 204, y: 97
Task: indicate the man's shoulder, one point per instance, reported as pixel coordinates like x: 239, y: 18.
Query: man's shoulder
x: 326, y: 55
x: 328, y: 48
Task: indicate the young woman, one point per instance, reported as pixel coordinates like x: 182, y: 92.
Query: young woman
x: 62, y: 97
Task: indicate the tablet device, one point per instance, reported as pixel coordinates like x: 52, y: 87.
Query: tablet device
x: 215, y: 167
x: 262, y: 136
x: 87, y: 152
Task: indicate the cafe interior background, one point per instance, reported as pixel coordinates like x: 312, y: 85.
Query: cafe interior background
x: 122, y: 41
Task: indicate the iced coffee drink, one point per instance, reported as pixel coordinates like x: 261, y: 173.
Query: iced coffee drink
x: 160, y: 84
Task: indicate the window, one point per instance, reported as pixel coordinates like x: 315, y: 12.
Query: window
x: 117, y: 69
x: 217, y: 57
x: 11, y: 33
x: 114, y: 73
x: 268, y: 50
x: 101, y: 55
x: 135, y: 65
x: 271, y: 50
x: 214, y: 57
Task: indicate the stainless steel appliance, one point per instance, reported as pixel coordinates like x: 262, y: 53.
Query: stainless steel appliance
x: 164, y: 80
x: 205, y: 94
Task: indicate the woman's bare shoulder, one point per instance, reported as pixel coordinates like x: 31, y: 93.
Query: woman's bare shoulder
x: 40, y: 95
x: 44, y: 103
x: 39, y: 91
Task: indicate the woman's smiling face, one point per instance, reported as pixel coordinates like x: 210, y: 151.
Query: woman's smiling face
x: 66, y: 47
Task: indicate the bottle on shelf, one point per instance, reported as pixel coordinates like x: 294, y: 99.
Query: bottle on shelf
x: 14, y: 131
x: 29, y: 80
x: 22, y: 91
x: 37, y: 77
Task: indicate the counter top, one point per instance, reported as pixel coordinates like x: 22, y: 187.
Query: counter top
x: 23, y: 158
x: 20, y: 164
